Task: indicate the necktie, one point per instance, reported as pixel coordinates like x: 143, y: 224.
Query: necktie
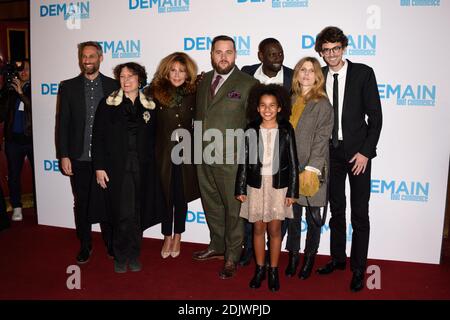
x: 335, y: 138
x: 214, y: 85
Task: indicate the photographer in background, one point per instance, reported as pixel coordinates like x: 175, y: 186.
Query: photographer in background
x: 15, y: 112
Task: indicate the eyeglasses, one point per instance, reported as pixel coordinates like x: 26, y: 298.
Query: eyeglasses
x: 335, y: 50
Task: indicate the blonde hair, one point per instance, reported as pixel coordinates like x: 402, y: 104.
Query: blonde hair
x: 317, y: 91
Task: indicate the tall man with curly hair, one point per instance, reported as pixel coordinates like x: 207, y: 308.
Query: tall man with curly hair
x: 353, y: 92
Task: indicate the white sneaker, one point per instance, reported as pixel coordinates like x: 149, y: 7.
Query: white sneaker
x: 17, y: 214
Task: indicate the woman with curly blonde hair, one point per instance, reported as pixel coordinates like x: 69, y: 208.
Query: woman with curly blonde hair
x: 173, y: 90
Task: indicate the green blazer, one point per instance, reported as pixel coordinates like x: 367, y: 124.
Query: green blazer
x: 227, y: 110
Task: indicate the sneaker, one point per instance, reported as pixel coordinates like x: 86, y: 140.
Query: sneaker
x: 120, y: 267
x: 135, y: 265
x: 17, y: 214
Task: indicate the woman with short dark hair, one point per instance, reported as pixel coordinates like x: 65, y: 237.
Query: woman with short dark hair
x: 123, y: 158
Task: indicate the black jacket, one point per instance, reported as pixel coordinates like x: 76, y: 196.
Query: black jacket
x: 287, y: 74
x: 8, y: 101
x: 286, y: 176
x: 72, y: 114
x: 361, y: 100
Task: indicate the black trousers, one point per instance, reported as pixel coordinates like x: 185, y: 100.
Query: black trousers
x: 340, y: 168
x: 81, y: 186
x: 293, y: 228
x: 127, y: 235
x: 177, y: 208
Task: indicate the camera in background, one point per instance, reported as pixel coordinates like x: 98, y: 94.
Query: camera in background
x: 10, y: 71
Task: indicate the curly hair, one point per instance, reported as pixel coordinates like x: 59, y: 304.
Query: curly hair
x: 163, y: 70
x: 275, y: 90
x: 135, y: 68
x: 332, y: 35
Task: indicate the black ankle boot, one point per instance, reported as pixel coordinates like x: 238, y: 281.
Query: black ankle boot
x: 260, y: 275
x: 307, y: 266
x: 291, y: 268
x: 274, y: 281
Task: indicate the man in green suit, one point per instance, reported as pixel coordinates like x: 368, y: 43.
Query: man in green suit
x: 221, y: 105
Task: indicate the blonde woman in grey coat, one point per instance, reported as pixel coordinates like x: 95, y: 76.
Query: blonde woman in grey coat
x: 312, y: 119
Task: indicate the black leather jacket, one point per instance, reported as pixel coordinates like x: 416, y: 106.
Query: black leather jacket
x: 286, y: 176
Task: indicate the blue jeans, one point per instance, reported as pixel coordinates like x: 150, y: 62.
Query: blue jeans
x: 15, y: 155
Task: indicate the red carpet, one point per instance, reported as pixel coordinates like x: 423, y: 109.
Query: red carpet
x: 34, y: 260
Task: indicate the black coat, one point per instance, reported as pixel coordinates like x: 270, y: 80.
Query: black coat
x: 361, y: 100
x: 109, y: 153
x: 286, y: 176
x: 171, y: 118
x: 72, y: 114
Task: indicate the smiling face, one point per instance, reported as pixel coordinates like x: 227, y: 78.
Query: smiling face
x: 223, y: 56
x: 268, y: 108
x: 272, y: 58
x: 332, y: 53
x: 129, y: 82
x: 90, y: 60
x: 177, y: 74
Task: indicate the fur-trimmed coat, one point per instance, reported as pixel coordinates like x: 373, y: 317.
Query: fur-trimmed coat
x: 109, y: 153
x: 175, y: 109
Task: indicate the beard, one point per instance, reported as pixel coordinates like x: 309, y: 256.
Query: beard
x: 221, y: 70
x: 91, y: 70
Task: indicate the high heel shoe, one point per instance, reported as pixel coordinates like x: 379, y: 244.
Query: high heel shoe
x: 165, y: 251
x: 175, y: 252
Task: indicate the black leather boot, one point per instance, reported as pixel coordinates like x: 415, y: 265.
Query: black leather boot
x: 260, y: 275
x: 291, y: 268
x: 274, y: 281
x: 307, y: 266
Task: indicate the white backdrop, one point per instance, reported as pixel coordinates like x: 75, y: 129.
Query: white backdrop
x: 403, y: 40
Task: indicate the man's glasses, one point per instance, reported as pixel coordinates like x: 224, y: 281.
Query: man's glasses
x: 335, y: 50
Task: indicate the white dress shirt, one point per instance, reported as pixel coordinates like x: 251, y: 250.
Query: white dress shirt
x: 341, y: 82
x: 263, y: 78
